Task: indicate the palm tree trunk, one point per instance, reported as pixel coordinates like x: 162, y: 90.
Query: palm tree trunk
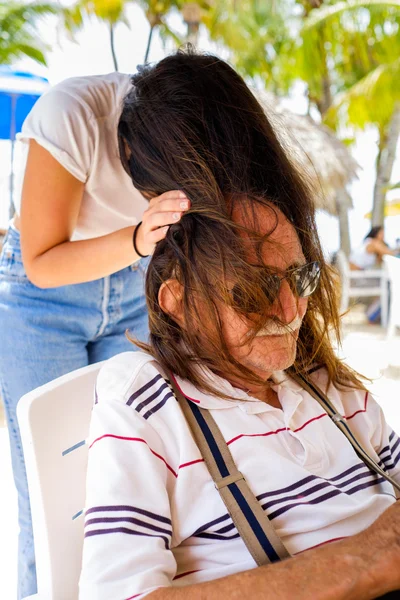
x: 325, y: 100
x: 192, y: 35
x: 343, y: 215
x: 149, y: 39
x: 112, y: 44
x: 384, y: 165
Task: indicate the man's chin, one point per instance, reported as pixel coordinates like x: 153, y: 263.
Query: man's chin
x: 264, y: 368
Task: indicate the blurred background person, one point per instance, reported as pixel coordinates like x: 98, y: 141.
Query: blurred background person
x: 369, y: 254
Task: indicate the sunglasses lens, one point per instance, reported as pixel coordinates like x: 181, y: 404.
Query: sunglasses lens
x: 306, y: 279
x: 303, y: 281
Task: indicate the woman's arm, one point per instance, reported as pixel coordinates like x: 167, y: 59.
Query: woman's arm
x: 379, y: 248
x: 51, y: 200
x: 361, y: 567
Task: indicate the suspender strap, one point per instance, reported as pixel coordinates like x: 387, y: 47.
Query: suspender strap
x: 341, y: 423
x: 252, y: 523
x: 250, y: 520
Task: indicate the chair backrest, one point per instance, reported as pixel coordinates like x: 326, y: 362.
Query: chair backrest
x: 342, y: 266
x: 392, y: 264
x: 54, y: 423
x: 361, y: 283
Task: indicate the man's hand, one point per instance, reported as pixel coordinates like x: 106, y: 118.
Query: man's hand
x: 362, y: 567
x: 162, y: 212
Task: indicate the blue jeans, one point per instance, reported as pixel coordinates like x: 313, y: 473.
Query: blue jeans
x: 45, y: 333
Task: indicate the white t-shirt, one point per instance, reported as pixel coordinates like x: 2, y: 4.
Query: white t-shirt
x: 76, y: 121
x: 153, y: 516
x: 361, y: 257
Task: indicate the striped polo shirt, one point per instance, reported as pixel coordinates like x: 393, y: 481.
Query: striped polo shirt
x: 153, y: 516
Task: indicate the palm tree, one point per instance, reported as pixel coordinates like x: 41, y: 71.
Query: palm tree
x: 334, y: 48
x: 157, y: 12
x: 110, y: 12
x: 365, y: 34
x: 18, y: 33
x: 257, y: 37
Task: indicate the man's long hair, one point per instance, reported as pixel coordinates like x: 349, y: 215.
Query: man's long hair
x: 191, y: 123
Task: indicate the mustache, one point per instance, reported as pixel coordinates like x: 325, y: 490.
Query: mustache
x: 274, y: 328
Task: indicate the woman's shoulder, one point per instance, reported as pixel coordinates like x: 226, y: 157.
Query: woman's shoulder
x: 127, y: 375
x: 97, y: 95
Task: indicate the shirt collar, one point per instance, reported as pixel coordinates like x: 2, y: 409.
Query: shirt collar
x: 288, y: 393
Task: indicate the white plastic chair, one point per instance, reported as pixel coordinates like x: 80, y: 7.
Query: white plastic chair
x: 349, y: 279
x: 54, y: 423
x: 392, y: 264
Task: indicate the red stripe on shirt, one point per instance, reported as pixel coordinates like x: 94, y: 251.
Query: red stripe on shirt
x: 131, y: 439
x: 135, y: 596
x: 185, y: 395
x: 310, y: 421
x: 184, y: 574
x: 256, y: 434
x: 238, y: 437
x: 322, y: 544
x: 192, y: 462
x: 362, y: 410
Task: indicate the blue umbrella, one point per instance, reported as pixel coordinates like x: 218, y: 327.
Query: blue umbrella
x: 18, y: 93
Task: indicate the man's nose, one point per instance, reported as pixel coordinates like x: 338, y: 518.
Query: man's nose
x: 285, y: 306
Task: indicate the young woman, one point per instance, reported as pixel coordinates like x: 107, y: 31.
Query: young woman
x: 71, y: 278
x: 371, y: 251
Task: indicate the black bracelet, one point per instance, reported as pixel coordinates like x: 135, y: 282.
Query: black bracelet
x: 134, y: 241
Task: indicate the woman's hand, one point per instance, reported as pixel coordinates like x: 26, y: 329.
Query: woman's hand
x: 49, y: 214
x: 162, y: 212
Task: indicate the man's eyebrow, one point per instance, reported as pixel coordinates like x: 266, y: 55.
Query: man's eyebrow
x: 296, y: 264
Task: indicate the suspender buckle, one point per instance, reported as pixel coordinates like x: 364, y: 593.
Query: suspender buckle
x: 336, y: 418
x: 228, y: 480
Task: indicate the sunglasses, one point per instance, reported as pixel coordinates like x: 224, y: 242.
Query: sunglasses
x: 303, y: 281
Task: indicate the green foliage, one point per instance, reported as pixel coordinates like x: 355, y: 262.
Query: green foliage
x: 359, y: 46
x: 370, y: 101
x: 331, y: 49
x: 157, y: 12
x: 109, y: 11
x: 18, y: 33
x: 257, y: 35
x: 327, y: 13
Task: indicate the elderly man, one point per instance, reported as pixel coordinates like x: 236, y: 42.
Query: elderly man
x: 238, y: 312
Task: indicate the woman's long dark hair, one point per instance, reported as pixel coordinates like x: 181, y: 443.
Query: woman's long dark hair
x: 191, y: 123
x: 374, y: 232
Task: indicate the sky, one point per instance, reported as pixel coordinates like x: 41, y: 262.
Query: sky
x: 89, y: 54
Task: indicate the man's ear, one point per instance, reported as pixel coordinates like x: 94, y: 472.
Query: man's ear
x: 170, y: 296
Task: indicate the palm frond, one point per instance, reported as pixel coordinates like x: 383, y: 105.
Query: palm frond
x: 19, y: 36
x: 319, y: 16
x: 370, y: 100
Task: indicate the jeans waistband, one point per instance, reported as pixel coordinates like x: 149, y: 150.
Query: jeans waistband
x: 12, y: 237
